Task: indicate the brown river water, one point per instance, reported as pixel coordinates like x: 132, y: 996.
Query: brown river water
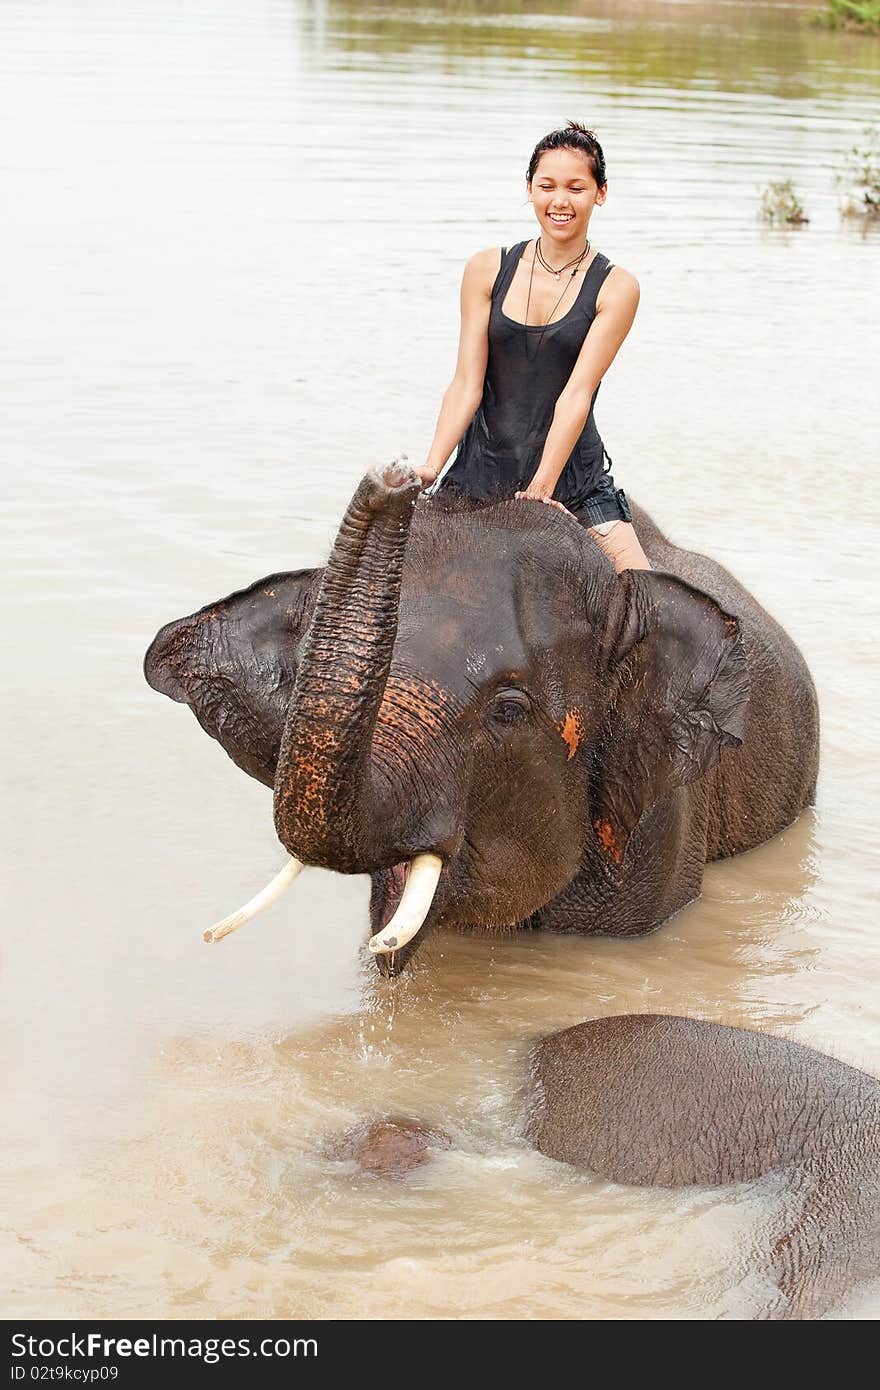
x: 232, y: 240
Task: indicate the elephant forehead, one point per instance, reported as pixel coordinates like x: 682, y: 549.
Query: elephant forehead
x: 496, y: 572
x: 458, y: 644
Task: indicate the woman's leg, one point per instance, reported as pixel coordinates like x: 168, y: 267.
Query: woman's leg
x: 618, y: 540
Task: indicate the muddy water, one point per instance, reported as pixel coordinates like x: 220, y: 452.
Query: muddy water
x: 233, y: 235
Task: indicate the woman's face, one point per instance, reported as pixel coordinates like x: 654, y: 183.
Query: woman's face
x: 563, y: 193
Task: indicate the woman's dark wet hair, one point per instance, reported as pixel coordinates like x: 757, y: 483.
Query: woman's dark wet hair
x: 572, y: 137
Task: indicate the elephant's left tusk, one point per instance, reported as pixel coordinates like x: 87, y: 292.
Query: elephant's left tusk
x: 414, y: 906
x: 267, y: 895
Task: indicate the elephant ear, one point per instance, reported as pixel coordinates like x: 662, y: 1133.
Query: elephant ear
x: 234, y: 663
x: 680, y: 693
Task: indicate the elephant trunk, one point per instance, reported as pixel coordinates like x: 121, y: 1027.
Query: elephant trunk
x: 325, y: 808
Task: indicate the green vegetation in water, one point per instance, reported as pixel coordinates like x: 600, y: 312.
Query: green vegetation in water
x: 862, y: 178
x: 781, y: 206
x: 860, y: 15
x: 750, y: 46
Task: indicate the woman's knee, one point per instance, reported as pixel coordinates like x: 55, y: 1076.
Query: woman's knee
x: 618, y: 540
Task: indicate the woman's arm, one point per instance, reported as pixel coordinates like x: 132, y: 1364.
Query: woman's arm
x: 465, y: 391
x: 615, y: 311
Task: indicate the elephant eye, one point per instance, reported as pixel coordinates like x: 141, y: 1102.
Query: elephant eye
x: 509, y: 707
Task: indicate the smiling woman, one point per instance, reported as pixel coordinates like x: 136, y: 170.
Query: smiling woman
x: 541, y: 323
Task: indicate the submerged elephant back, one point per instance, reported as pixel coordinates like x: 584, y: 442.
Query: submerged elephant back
x: 658, y: 1101
x: 665, y: 1101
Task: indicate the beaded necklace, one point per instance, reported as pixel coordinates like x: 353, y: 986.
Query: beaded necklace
x: 536, y: 255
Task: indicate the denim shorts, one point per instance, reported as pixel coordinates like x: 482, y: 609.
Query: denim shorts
x: 605, y: 503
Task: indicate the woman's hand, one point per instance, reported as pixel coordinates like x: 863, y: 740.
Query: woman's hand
x: 533, y: 494
x: 426, y: 474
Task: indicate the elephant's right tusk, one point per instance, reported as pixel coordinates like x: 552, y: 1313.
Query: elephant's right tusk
x: 267, y: 895
x: 414, y: 906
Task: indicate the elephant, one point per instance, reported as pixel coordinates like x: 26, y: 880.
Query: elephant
x: 469, y: 705
x: 661, y: 1101
x: 388, y: 1147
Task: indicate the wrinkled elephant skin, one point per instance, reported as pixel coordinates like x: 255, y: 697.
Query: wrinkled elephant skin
x: 669, y: 1102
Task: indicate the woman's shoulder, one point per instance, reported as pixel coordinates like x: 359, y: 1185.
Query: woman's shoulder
x: 483, y: 263
x: 482, y: 268
x: 480, y: 274
x: 619, y: 285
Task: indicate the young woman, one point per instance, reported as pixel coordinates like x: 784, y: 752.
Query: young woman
x: 541, y: 324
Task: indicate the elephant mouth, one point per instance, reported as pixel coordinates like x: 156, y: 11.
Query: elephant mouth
x: 388, y: 894
x: 402, y: 901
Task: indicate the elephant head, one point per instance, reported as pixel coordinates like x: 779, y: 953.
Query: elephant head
x: 469, y: 687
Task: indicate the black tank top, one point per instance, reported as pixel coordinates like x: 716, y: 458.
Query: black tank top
x: 527, y: 368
